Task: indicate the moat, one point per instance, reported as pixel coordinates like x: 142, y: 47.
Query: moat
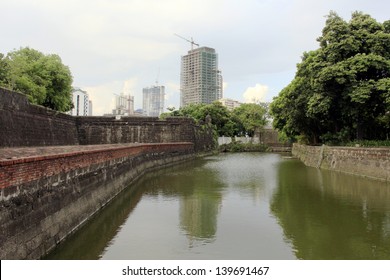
x: 240, y: 206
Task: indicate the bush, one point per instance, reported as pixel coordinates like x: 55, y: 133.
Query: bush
x: 242, y: 147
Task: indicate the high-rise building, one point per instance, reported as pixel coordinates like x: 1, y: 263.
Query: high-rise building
x: 124, y: 105
x: 200, y: 79
x: 153, y: 100
x: 82, y: 106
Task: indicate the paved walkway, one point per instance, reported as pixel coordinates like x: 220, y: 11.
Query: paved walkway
x: 27, y: 152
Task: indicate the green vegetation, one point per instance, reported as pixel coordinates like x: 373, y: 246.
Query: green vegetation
x: 369, y: 143
x: 43, y: 78
x: 243, y: 120
x: 242, y: 147
x: 341, y: 91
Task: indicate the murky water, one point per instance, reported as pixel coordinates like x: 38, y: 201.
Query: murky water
x: 240, y: 206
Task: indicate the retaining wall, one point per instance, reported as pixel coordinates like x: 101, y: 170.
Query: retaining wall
x: 44, y: 198
x: 367, y: 162
x: 23, y: 124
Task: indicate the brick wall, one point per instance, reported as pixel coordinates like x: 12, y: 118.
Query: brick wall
x: 45, y: 198
x: 367, y: 162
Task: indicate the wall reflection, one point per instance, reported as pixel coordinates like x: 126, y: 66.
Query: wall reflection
x: 329, y: 215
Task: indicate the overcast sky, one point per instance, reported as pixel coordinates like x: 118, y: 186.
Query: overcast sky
x: 125, y: 45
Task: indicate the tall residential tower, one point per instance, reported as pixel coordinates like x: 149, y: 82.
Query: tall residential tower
x: 200, y: 79
x: 82, y: 106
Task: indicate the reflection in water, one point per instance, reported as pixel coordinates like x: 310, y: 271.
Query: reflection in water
x: 240, y: 206
x: 330, y: 215
x: 199, y: 194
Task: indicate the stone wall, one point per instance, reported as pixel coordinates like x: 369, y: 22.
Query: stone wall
x: 47, y: 196
x: 44, y: 198
x: 367, y: 162
x: 23, y: 124
x: 109, y: 130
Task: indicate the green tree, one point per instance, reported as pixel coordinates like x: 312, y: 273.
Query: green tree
x: 243, y: 120
x: 341, y: 90
x: 249, y: 117
x: 220, y: 116
x: 3, y: 70
x: 43, y: 78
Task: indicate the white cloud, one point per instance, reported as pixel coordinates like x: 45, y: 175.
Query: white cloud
x: 129, y: 86
x: 255, y: 94
x: 172, y: 95
x: 224, y: 86
x: 102, y: 97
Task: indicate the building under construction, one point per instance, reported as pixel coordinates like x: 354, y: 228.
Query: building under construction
x: 124, y: 105
x: 200, y: 79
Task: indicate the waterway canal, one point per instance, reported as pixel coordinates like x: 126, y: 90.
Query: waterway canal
x: 240, y: 206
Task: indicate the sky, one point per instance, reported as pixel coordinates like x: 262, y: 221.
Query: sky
x: 115, y: 46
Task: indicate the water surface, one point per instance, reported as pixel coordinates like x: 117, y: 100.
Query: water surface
x: 240, y: 206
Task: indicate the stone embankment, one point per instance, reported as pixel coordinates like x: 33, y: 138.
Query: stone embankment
x: 48, y: 192
x: 56, y: 170
x: 368, y: 162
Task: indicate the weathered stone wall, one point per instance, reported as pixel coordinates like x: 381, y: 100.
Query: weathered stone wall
x: 23, y: 124
x: 108, y: 130
x: 45, y: 198
x: 367, y: 162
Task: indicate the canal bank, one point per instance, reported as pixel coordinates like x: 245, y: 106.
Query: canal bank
x: 361, y: 161
x: 239, y: 206
x: 57, y: 170
x: 49, y: 192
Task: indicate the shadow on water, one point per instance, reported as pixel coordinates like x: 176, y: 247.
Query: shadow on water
x: 331, y: 215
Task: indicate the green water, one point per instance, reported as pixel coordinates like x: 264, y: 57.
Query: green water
x: 240, y: 206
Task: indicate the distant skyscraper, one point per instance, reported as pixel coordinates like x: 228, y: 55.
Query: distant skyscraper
x: 124, y: 105
x: 153, y: 100
x: 200, y: 79
x: 82, y: 106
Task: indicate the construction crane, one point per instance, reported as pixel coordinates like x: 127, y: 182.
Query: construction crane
x: 190, y: 41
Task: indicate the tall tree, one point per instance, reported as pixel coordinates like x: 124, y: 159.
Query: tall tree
x: 250, y: 117
x: 44, y: 78
x: 340, y: 91
x: 3, y: 70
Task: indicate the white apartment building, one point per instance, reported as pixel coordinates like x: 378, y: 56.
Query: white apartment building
x: 230, y: 104
x: 200, y: 79
x: 82, y: 106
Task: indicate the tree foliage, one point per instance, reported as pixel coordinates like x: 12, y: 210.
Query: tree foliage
x: 3, y: 70
x: 43, y: 78
x: 341, y: 91
x: 243, y: 120
x: 250, y: 117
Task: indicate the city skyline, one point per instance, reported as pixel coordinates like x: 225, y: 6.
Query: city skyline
x: 118, y: 46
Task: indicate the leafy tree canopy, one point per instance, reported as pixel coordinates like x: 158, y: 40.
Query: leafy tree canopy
x: 43, y: 78
x: 242, y: 120
x: 341, y: 91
